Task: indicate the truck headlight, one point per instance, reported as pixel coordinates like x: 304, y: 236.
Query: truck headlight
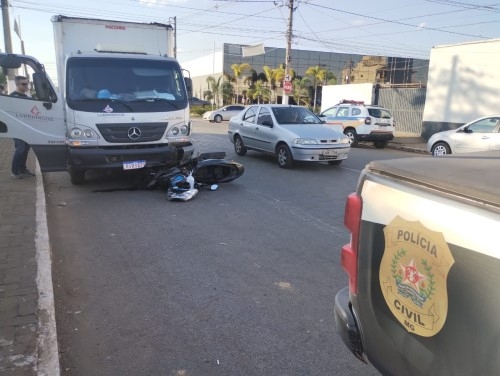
x: 76, y: 133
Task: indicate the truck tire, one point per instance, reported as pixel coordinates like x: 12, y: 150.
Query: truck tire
x: 77, y: 176
x: 440, y: 148
x: 351, y: 133
x: 380, y: 144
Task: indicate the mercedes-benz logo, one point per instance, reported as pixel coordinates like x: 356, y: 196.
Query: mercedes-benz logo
x: 134, y: 133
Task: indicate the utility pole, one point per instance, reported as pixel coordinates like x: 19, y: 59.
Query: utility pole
x: 7, y: 40
x: 175, y: 37
x: 289, y: 36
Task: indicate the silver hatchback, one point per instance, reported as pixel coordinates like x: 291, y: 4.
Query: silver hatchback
x: 291, y: 133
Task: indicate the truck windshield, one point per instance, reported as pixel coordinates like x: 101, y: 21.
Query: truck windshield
x: 132, y: 85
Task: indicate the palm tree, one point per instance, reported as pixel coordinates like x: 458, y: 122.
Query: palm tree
x: 272, y: 77
x: 227, y: 92
x: 300, y: 91
x: 238, y: 70
x: 317, y: 75
x: 214, y: 87
x: 259, y: 91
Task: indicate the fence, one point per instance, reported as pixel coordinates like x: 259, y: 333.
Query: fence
x: 407, y: 107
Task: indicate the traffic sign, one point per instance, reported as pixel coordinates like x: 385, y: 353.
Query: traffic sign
x: 287, y: 87
x: 288, y: 78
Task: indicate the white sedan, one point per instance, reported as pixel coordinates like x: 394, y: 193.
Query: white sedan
x: 479, y: 135
x: 291, y: 133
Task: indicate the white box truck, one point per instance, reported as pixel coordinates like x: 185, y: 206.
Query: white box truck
x: 463, y: 84
x: 121, y: 102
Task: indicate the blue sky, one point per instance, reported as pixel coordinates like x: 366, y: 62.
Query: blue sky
x: 385, y: 27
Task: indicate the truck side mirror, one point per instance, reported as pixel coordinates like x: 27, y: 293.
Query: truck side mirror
x: 10, y: 62
x: 189, y: 86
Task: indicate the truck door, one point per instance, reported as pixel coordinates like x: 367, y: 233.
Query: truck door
x: 37, y: 120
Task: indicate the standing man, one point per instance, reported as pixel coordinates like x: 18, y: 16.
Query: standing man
x: 22, y: 148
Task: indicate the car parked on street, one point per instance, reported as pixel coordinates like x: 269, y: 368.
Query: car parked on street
x: 223, y: 113
x: 481, y: 134
x: 291, y: 133
x: 361, y: 122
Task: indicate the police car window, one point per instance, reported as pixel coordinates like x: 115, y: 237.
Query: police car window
x: 355, y: 111
x: 329, y: 112
x: 250, y: 114
x: 343, y: 112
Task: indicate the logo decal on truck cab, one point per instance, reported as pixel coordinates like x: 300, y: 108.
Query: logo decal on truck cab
x: 413, y: 275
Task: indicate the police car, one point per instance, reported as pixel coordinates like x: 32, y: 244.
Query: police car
x: 361, y: 122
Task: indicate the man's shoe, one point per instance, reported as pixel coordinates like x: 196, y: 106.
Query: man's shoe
x: 16, y: 176
x: 27, y: 172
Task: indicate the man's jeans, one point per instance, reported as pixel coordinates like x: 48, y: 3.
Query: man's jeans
x: 20, y: 156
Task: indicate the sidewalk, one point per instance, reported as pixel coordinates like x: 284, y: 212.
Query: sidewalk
x: 28, y: 341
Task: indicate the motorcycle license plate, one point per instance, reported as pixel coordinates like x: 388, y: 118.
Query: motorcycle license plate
x: 329, y: 152
x: 132, y: 165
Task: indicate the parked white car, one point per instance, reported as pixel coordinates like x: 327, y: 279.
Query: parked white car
x: 223, y: 113
x: 291, y: 133
x: 479, y: 135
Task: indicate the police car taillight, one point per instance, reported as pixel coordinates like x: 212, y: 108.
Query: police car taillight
x: 368, y: 120
x: 349, y: 253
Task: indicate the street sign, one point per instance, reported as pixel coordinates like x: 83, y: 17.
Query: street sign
x: 288, y: 78
x: 287, y: 87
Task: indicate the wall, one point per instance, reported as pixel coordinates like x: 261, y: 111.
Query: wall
x: 463, y: 84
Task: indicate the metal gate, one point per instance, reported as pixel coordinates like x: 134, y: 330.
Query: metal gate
x: 407, y: 107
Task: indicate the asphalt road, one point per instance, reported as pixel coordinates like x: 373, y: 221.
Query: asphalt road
x: 238, y: 281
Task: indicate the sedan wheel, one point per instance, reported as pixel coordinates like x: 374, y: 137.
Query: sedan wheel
x: 284, y: 156
x: 239, y: 148
x: 440, y: 148
x: 218, y: 118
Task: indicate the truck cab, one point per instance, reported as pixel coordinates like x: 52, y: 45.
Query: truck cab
x: 114, y: 111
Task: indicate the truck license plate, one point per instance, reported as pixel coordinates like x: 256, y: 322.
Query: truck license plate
x: 329, y: 152
x: 132, y: 165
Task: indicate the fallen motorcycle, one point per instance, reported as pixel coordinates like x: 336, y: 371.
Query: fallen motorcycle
x: 205, y: 171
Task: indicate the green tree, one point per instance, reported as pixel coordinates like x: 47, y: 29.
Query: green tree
x: 318, y: 76
x: 259, y: 92
x: 300, y: 90
x: 238, y: 70
x: 227, y: 92
x: 273, y: 76
x: 214, y: 89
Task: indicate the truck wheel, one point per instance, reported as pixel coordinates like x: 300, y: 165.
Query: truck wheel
x: 380, y: 144
x: 284, y: 156
x: 440, y: 148
x: 218, y: 118
x: 77, y: 176
x: 351, y: 133
x: 239, y: 148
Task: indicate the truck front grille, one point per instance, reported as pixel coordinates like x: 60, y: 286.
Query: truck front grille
x: 132, y: 133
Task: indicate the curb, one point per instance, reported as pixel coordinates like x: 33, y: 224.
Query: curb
x: 48, y: 356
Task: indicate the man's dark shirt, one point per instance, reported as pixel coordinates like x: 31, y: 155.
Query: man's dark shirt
x: 18, y: 94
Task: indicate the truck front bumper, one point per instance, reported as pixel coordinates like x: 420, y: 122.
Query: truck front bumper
x: 114, y: 157
x: 347, y: 327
